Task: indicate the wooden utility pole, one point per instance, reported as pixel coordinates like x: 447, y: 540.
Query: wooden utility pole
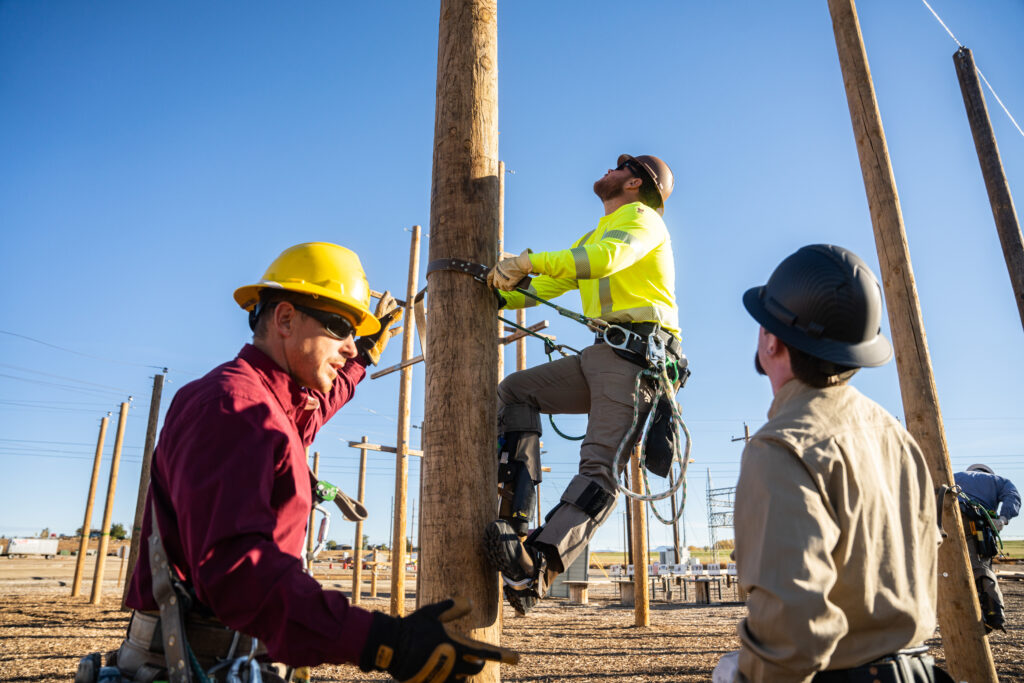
x: 641, y: 592
x: 963, y: 635
x: 147, y: 461
x: 675, y: 520
x: 460, y: 470
x: 402, y: 442
x: 83, y: 547
x: 992, y: 170
x: 501, y: 253
x: 357, y: 547
x: 310, y: 531
x: 101, y: 552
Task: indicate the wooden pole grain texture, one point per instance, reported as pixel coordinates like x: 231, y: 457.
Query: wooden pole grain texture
x: 83, y: 546
x: 108, y: 511
x: 147, y: 462
x: 500, y: 251
x: 357, y: 545
x: 402, y: 442
x: 968, y: 655
x: 459, y: 465
x: 999, y: 195
x: 641, y: 556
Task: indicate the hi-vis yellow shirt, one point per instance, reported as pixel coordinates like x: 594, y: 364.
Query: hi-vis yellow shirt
x: 623, y: 268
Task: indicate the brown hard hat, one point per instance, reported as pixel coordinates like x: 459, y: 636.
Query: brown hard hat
x: 655, y: 169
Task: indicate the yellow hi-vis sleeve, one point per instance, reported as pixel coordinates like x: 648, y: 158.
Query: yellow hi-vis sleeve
x: 624, y: 270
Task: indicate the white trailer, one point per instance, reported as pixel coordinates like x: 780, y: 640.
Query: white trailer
x: 46, y: 547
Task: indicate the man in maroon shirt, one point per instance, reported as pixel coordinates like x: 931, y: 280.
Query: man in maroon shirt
x: 230, y: 488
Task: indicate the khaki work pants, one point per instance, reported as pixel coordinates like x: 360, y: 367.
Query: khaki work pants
x: 599, y: 383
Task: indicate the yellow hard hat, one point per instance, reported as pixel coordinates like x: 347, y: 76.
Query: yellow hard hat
x: 323, y: 271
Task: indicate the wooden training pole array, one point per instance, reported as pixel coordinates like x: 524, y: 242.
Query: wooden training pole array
x: 101, y: 552
x: 963, y: 635
x: 641, y: 592
x: 83, y: 546
x: 992, y: 170
x: 147, y: 461
x: 402, y: 441
x: 357, y: 546
x: 460, y: 470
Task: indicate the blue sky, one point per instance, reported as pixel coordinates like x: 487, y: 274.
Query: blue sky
x: 155, y: 156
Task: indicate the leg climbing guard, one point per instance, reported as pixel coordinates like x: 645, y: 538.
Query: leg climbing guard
x: 518, y: 475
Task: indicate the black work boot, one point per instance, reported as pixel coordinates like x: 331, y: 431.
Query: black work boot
x: 522, y: 567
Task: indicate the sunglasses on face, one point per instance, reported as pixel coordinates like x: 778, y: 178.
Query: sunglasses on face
x: 629, y: 166
x: 337, y: 326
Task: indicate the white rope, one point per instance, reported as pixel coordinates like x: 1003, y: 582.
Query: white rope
x: 939, y: 19
x: 989, y: 85
x: 1008, y: 114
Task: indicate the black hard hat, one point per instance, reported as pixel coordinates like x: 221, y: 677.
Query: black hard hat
x: 826, y: 302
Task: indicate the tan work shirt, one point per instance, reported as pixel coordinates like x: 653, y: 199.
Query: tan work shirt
x: 836, y: 537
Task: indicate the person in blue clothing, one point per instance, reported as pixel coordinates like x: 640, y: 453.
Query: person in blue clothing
x: 1001, y: 502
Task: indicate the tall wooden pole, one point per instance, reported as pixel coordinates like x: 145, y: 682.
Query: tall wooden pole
x: 675, y: 520
x: 963, y: 636
x: 500, y: 252
x: 641, y: 592
x: 402, y: 442
x: 310, y: 531
x: 992, y: 170
x: 101, y: 552
x: 357, y: 547
x: 460, y: 469
x: 147, y: 462
x: 83, y: 546
x: 626, y: 478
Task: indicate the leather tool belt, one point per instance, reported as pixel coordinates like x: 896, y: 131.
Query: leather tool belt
x: 905, y: 666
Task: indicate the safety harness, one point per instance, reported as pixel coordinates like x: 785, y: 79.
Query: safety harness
x: 663, y: 363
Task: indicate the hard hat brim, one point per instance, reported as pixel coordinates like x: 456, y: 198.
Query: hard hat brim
x: 869, y: 354
x: 366, y: 323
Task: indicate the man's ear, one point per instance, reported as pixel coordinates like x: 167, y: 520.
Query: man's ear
x: 634, y: 183
x: 284, y: 318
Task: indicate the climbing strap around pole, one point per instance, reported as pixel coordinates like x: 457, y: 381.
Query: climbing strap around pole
x: 479, y: 272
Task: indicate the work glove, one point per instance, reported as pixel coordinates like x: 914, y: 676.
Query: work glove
x: 372, y: 345
x: 419, y: 648
x: 999, y: 522
x: 509, y: 272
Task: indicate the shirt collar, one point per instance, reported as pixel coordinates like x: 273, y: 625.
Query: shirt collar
x: 786, y: 393
x: 286, y: 390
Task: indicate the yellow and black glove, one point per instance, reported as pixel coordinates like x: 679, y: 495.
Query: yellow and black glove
x: 372, y: 345
x: 419, y: 648
x: 509, y: 273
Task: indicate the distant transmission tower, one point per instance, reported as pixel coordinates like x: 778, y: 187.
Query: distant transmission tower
x: 720, y: 513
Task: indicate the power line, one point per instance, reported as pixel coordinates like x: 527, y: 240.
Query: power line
x: 79, y: 353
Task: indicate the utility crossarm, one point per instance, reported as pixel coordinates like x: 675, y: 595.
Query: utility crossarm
x: 383, y: 449
x: 519, y: 334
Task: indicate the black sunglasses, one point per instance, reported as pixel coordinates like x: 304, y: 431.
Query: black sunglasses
x: 336, y: 325
x: 630, y: 166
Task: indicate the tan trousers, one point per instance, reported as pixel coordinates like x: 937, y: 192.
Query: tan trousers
x: 601, y: 384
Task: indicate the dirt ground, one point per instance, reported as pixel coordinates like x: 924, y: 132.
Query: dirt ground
x: 43, y: 631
